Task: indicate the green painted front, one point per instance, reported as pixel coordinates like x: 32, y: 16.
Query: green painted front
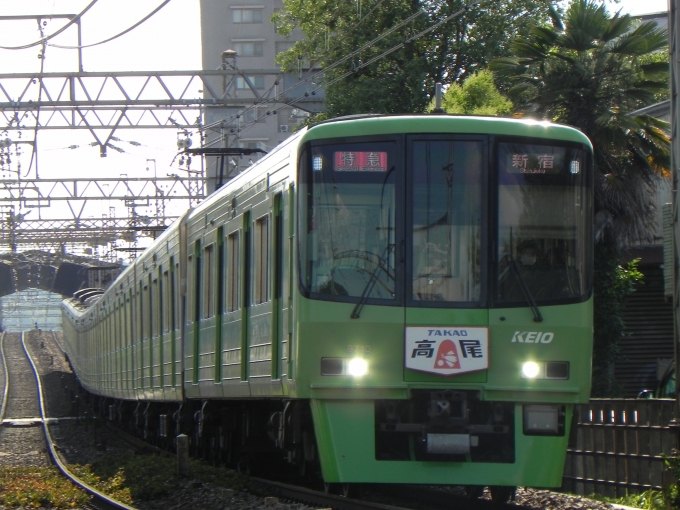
x: 344, y: 432
x: 324, y: 329
x: 343, y: 407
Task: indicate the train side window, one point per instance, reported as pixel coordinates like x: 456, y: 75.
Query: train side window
x: 166, y: 289
x: 261, y: 254
x: 155, y: 307
x: 149, y: 304
x: 208, y: 282
x: 190, y: 273
x: 220, y: 283
x: 175, y: 298
x: 233, y: 280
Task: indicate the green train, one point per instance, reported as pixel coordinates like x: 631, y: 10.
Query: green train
x: 380, y: 299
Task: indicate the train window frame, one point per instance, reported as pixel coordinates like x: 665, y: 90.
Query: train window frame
x: 233, y: 279
x: 483, y: 225
x: 261, y: 262
x: 177, y: 316
x: 305, y: 169
x: 190, y: 303
x: 166, y: 290
x: 494, y: 211
x: 208, y: 284
x: 155, y: 301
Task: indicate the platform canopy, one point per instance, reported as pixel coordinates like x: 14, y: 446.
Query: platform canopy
x: 59, y: 273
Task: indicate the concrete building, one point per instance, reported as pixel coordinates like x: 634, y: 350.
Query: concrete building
x: 267, y: 104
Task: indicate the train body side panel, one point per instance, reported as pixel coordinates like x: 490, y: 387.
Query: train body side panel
x: 239, y: 348
x: 122, y: 346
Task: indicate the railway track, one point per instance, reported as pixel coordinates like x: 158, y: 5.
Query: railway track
x: 25, y: 438
x: 22, y: 403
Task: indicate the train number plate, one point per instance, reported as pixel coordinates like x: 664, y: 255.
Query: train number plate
x: 447, y: 350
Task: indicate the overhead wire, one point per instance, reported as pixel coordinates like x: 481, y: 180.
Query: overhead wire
x: 34, y: 149
x: 327, y: 68
x: 291, y: 102
x: 163, y: 4
x: 43, y: 40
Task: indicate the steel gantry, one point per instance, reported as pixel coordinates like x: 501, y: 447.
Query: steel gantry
x: 103, y: 103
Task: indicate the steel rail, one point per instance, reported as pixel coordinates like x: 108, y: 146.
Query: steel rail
x: 102, y: 501
x: 321, y: 499
x: 411, y: 493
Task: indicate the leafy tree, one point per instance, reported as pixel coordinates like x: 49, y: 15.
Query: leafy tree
x: 477, y: 95
x: 402, y: 80
x: 592, y: 71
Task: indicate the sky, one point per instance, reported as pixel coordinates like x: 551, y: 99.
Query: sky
x: 637, y: 7
x: 170, y: 40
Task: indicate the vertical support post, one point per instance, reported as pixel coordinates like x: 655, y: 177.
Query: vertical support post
x: 183, y: 455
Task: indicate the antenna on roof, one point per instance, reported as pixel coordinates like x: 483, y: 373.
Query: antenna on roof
x: 438, y: 98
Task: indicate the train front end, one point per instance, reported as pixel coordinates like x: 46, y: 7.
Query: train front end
x: 443, y: 327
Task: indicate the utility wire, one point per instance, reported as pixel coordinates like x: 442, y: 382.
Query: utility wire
x: 34, y: 150
x: 166, y: 2
x: 43, y: 40
x: 328, y: 68
x: 335, y: 64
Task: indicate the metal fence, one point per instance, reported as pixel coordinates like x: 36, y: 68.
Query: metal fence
x: 617, y: 446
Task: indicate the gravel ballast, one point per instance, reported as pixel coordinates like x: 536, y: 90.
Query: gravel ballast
x: 77, y: 445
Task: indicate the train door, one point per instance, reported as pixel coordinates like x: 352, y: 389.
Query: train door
x: 233, y: 370
x: 260, y: 348
x: 446, y: 253
x: 207, y: 354
x: 279, y: 338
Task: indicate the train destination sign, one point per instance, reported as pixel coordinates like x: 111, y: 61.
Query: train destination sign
x: 447, y: 350
x: 360, y: 161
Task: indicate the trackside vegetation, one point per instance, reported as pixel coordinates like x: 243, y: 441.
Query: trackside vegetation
x: 38, y: 487
x: 134, y: 478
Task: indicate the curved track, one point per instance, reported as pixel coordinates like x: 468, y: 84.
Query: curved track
x: 24, y: 407
x: 25, y: 438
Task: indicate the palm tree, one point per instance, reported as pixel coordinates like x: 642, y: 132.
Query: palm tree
x: 592, y: 71
x: 586, y: 71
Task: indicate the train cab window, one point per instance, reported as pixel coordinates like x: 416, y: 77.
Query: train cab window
x: 543, y: 223
x: 348, y: 221
x: 446, y: 220
x: 233, y: 282
x: 208, y: 281
x: 261, y: 255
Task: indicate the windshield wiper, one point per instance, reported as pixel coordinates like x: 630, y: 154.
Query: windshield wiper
x: 524, y: 288
x: 382, y: 261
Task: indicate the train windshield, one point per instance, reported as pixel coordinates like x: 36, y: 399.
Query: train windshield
x: 543, y: 223
x: 349, y: 225
x: 446, y: 226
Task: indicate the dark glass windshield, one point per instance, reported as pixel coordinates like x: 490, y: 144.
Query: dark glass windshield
x: 405, y: 221
x: 447, y: 206
x: 349, y: 223
x: 543, y: 222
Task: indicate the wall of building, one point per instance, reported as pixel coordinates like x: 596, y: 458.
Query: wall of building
x: 245, y: 27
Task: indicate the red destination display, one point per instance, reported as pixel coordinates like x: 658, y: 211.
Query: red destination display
x: 364, y: 161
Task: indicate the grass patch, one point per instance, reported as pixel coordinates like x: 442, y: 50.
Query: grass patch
x: 648, y: 500
x: 36, y: 487
x: 132, y: 478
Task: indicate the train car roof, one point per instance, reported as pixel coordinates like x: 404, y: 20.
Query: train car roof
x: 366, y: 125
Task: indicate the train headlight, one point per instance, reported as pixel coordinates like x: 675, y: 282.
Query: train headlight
x: 545, y: 370
x: 357, y: 367
x: 530, y: 370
